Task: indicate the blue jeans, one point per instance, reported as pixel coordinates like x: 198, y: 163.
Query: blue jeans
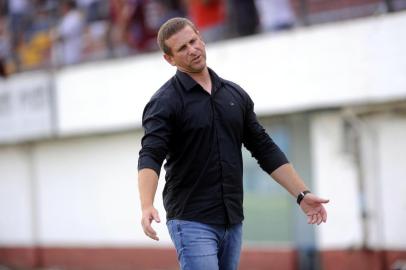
x: 206, y: 247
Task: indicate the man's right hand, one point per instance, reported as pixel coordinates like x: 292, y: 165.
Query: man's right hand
x: 148, y: 215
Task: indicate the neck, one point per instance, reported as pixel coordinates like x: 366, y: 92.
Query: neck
x: 202, y: 78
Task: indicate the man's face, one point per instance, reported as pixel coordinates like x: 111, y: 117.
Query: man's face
x: 188, y: 51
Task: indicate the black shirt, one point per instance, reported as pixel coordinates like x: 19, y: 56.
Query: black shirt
x: 201, y: 135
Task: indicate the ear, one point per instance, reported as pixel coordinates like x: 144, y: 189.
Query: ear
x: 169, y: 59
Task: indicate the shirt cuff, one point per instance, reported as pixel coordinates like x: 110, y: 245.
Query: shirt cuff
x: 145, y: 162
x: 277, y: 160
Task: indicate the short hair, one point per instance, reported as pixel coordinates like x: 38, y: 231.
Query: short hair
x: 169, y: 28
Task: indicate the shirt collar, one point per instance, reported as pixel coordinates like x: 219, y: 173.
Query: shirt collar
x: 188, y: 83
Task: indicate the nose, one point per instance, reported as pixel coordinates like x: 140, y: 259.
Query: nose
x: 192, y: 50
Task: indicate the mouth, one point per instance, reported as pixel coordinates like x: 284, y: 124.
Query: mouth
x: 196, y: 59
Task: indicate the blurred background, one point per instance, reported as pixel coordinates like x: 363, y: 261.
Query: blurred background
x: 328, y: 78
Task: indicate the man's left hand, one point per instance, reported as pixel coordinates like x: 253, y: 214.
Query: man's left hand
x: 312, y: 206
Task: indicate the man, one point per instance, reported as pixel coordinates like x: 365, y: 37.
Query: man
x: 69, y: 33
x: 198, y: 122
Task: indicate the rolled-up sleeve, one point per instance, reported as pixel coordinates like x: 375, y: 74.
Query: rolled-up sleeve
x: 259, y: 143
x: 157, y: 124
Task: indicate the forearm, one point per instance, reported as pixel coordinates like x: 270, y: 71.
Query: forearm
x: 147, y: 186
x: 287, y: 177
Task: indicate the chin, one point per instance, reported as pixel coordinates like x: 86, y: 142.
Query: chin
x: 199, y: 68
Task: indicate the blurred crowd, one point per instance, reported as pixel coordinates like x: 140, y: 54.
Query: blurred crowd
x: 52, y: 33
x: 38, y: 34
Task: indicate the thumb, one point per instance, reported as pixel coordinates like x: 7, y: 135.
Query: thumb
x: 155, y: 216
x: 321, y: 200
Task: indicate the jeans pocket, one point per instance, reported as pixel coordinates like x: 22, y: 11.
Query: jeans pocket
x: 196, y: 239
x: 172, y: 228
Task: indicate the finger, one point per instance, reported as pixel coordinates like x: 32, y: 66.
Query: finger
x: 309, y: 219
x: 324, y: 214
x: 155, y: 216
x: 321, y: 200
x: 151, y: 233
x: 153, y: 236
x: 312, y: 219
x: 148, y: 230
x: 311, y: 198
x: 319, y: 219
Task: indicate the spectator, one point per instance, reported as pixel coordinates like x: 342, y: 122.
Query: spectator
x: 143, y: 24
x: 69, y: 34
x: 19, y: 12
x: 52, y: 8
x: 3, y: 8
x: 275, y: 15
x: 243, y: 17
x: 144, y: 17
x: 4, y: 47
x: 209, y: 16
x: 92, y: 9
x: 95, y: 40
x: 34, y: 51
x: 171, y: 9
x: 96, y: 29
x: 118, y: 21
x: 42, y: 21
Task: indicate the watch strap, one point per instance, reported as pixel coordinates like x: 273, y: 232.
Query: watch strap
x: 301, y: 196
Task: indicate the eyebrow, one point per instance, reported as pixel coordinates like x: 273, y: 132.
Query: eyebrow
x: 184, y: 45
x: 181, y: 47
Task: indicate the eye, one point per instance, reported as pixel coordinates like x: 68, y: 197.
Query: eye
x: 182, y: 48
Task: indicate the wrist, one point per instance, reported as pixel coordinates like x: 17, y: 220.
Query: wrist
x: 146, y: 206
x: 301, y: 196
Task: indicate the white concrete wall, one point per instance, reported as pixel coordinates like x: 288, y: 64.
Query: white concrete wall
x: 385, y: 170
x: 86, y: 194
x: 392, y: 149
x: 15, y: 196
x: 383, y: 167
x: 335, y: 178
x: 26, y: 107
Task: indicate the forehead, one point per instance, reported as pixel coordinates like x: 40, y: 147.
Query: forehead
x: 180, y: 38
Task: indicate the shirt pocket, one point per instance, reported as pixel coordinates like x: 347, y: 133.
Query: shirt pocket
x: 231, y: 113
x: 197, y: 116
